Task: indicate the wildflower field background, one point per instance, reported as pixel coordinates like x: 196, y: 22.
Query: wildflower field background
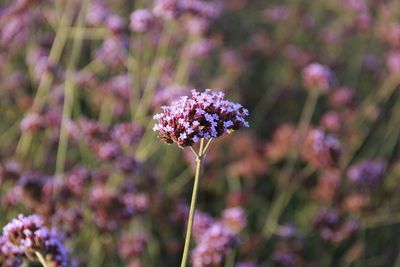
x: 312, y: 182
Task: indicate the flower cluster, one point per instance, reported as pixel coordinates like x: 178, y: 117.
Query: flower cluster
x: 141, y: 20
x: 318, y: 77
x: 367, y: 173
x: 321, y: 150
x: 215, y: 243
x: 216, y: 238
x: 26, y: 236
x: 172, y: 9
x: 283, y: 139
x: 203, y: 115
x: 333, y: 227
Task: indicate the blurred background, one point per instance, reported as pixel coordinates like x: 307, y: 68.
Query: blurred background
x: 313, y: 182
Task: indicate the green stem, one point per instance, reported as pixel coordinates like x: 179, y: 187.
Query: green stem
x: 41, y: 259
x: 386, y: 90
x: 183, y: 67
x: 289, y: 189
x: 106, y: 114
x: 199, y: 159
x: 47, y: 79
x: 230, y: 260
x: 69, y: 91
x: 154, y: 75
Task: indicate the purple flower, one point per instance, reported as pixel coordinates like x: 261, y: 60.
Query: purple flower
x: 318, y: 76
x: 213, y: 245
x: 201, y: 8
x: 275, y: 14
x: 119, y: 86
x: 10, y: 255
x: 367, y: 173
x: 203, y: 115
x: 27, y: 235
x: 333, y: 226
x: 200, y: 49
x: 113, y: 51
x: 284, y: 258
x: 172, y: 9
x: 141, y: 20
x: 234, y: 219
x: 320, y: 149
x: 201, y: 223
x: 115, y: 23
x: 97, y: 13
x: 31, y: 122
x: 167, y: 9
x: 132, y: 246
x: 127, y: 134
x: 393, y: 62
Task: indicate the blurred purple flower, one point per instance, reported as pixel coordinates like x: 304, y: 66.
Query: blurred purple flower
x: 167, y: 9
x: 317, y: 76
x: 213, y: 246
x: 202, y: 222
x: 97, y: 13
x: 27, y: 235
x: 367, y: 173
x: 234, y: 219
x: 31, y: 123
x: 393, y: 62
x: 141, y: 20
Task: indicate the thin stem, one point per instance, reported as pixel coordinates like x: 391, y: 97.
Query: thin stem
x: 192, y: 204
x: 106, y: 114
x: 284, y: 198
x: 207, y: 146
x: 230, y: 260
x: 194, y: 152
x: 47, y: 79
x: 384, y: 93
x: 183, y: 67
x: 155, y: 72
x: 41, y: 258
x: 69, y: 91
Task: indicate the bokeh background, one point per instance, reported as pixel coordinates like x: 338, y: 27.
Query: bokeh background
x: 313, y: 182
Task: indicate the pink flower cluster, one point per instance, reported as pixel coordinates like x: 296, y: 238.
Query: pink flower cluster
x: 24, y: 236
x: 171, y: 9
x: 203, y: 115
x: 216, y: 238
x: 318, y: 76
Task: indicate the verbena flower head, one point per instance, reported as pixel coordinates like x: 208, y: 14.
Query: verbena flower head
x: 202, y: 115
x: 27, y: 235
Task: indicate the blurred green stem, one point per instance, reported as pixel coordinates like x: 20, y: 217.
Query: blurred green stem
x: 199, y: 158
x: 106, y: 112
x: 41, y: 258
x: 183, y: 67
x: 264, y: 106
x: 69, y: 90
x: 230, y: 259
x: 47, y: 78
x: 289, y: 187
x: 154, y: 75
x: 384, y: 93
